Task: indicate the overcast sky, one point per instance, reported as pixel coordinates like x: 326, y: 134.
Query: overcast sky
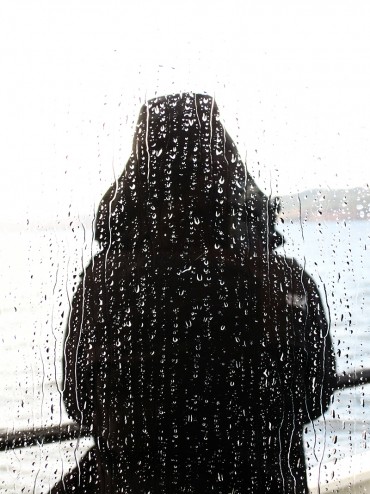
x: 291, y: 79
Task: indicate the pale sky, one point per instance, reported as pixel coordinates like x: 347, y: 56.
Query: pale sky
x: 291, y: 79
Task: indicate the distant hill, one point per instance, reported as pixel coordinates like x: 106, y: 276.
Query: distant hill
x: 310, y: 205
x: 325, y: 204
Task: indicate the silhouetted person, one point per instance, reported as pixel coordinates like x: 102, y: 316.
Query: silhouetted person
x: 194, y: 353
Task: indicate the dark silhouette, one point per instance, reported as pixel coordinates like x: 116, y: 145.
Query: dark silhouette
x: 194, y: 352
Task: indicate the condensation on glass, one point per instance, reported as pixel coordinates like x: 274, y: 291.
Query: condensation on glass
x: 200, y: 324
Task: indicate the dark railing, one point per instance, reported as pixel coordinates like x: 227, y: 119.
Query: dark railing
x: 351, y: 379
x: 44, y: 435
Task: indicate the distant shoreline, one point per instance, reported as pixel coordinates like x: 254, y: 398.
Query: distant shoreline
x: 327, y: 205
x: 312, y: 205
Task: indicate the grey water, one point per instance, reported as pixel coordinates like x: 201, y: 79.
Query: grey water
x: 38, y: 271
x: 336, y: 254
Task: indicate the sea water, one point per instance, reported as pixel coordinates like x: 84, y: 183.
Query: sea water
x: 336, y: 254
x: 39, y: 269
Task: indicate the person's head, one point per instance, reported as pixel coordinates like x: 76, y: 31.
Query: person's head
x: 184, y: 186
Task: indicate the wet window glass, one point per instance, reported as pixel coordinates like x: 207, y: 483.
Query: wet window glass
x: 185, y: 217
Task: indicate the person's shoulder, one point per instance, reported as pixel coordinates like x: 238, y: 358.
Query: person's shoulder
x: 284, y: 263
x: 107, y: 257
x: 94, y: 270
x: 290, y: 268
